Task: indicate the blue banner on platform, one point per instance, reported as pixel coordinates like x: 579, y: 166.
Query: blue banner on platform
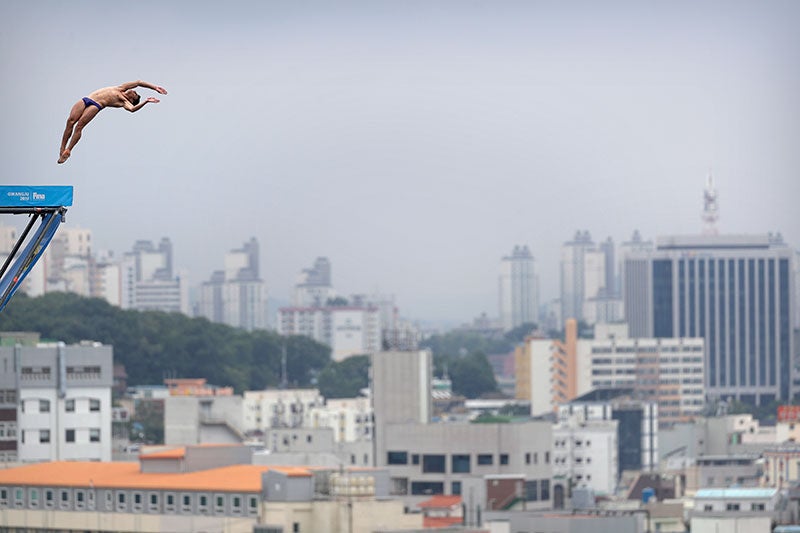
x: 35, y: 196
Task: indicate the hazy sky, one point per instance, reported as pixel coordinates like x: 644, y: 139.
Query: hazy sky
x: 412, y: 143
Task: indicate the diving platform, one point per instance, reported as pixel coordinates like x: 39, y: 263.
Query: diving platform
x: 45, y: 204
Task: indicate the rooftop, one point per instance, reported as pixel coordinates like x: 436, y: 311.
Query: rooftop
x: 127, y: 475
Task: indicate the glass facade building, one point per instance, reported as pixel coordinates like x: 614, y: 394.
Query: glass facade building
x: 733, y: 291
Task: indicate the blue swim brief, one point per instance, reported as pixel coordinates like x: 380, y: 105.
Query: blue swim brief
x: 88, y: 101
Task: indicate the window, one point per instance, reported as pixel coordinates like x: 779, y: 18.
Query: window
x: 44, y: 406
x: 186, y: 503
x: 252, y: 505
x: 202, y: 503
x: 503, y: 458
x: 423, y: 488
x: 219, y: 504
x: 94, y: 435
x: 397, y: 458
x: 460, y: 464
x: 433, y: 463
x: 545, y: 489
x: 732, y: 507
x: 169, y: 502
x: 19, y: 497
x: 528, y: 458
x: 33, y: 497
x: 708, y: 507
x: 64, y: 499
x: 485, y: 459
x: 94, y: 405
x: 152, y: 504
x: 415, y: 459
x: 44, y: 436
x: 109, y: 498
x: 546, y: 458
x: 80, y: 499
x: 532, y: 490
x: 757, y: 506
x: 455, y: 488
x: 3, y: 497
x: 137, y: 501
x: 69, y: 406
x: 49, y: 498
x: 70, y: 435
x: 121, y: 502
x: 236, y: 505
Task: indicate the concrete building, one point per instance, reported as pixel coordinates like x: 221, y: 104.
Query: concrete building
x: 585, y: 454
x: 734, y: 291
x: 237, y: 295
x: 669, y: 372
x: 583, y: 275
x: 637, y: 425
x: 518, y: 289
x: 203, y: 420
x: 350, y: 419
x: 57, y: 402
x: 278, y: 408
x: 198, y: 489
x: 313, y: 287
x: 426, y: 459
x: 348, y: 330
x: 148, y: 281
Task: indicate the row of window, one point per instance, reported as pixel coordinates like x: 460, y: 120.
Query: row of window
x: 43, y: 406
x: 43, y: 435
x: 737, y: 507
x: 129, y: 501
x: 459, y: 463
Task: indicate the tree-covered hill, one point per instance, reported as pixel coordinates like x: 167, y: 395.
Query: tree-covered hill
x: 153, y: 345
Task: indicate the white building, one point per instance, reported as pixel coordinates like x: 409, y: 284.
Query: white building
x: 638, y: 427
x: 348, y: 330
x: 583, y: 275
x: 64, y: 401
x: 278, y: 408
x: 585, y: 454
x: 237, y: 295
x: 147, y: 279
x: 350, y: 419
x: 518, y: 289
x: 313, y: 287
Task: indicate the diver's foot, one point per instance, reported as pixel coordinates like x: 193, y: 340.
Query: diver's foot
x: 64, y: 156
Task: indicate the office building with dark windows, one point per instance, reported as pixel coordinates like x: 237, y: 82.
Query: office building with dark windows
x: 734, y: 291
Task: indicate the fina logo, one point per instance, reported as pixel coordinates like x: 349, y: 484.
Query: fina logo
x: 38, y: 196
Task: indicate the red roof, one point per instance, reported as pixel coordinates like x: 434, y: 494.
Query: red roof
x: 441, y: 502
x: 441, y: 521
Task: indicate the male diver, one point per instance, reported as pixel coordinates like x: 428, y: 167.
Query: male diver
x: 86, y: 108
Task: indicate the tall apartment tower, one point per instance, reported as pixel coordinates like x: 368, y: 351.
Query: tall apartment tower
x: 237, y: 295
x: 518, y: 288
x: 147, y: 281
x: 583, y: 275
x: 732, y: 290
x: 313, y: 287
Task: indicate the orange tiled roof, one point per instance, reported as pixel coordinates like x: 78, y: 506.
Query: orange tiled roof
x: 441, y: 501
x: 234, y: 478
x: 178, y: 452
x: 441, y: 521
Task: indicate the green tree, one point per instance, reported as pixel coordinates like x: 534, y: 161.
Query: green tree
x: 472, y: 375
x: 345, y: 379
x: 519, y: 333
x: 154, y: 345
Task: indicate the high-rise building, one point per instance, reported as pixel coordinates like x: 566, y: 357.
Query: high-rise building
x: 732, y: 290
x: 313, y: 287
x: 348, y: 330
x: 518, y: 289
x: 147, y: 280
x: 236, y: 296
x: 583, y: 275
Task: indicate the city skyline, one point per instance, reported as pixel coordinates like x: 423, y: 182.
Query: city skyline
x: 412, y: 144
